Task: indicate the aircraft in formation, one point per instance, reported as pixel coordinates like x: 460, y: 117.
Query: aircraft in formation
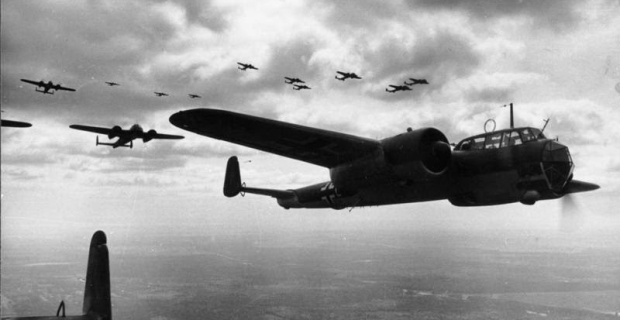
x: 416, y: 81
x: 245, y: 66
x: 498, y: 167
x: 288, y: 80
x: 48, y: 88
x: 346, y: 75
x: 194, y: 96
x: 301, y: 87
x: 97, y: 298
x: 160, y: 94
x: 397, y: 88
x: 125, y: 137
x: 112, y: 84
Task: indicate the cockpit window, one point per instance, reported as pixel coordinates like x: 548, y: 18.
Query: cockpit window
x: 527, y: 135
x: 478, y: 143
x: 493, y: 140
x: 538, y: 134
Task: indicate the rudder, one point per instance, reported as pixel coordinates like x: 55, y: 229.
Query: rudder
x: 97, y: 290
x: 232, y: 181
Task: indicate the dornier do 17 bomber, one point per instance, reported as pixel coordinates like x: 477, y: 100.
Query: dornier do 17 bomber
x: 125, y: 137
x: 507, y: 166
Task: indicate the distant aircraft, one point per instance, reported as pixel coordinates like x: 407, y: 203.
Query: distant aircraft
x: 416, y: 81
x: 194, y: 96
x: 15, y: 124
x: 288, y: 80
x: 300, y: 87
x: 112, y: 84
x: 492, y: 168
x: 161, y: 94
x: 47, y: 86
x: 97, y: 301
x: 245, y: 66
x: 397, y: 88
x: 347, y: 75
x: 125, y: 137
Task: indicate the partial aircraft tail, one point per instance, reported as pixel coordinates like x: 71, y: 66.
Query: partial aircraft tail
x: 97, y: 143
x: 97, y: 303
x: 97, y: 290
x: 233, y: 185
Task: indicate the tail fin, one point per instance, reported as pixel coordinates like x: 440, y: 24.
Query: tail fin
x: 232, y: 181
x: 233, y: 185
x: 97, y: 290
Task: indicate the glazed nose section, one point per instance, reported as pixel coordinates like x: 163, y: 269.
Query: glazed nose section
x: 557, y: 165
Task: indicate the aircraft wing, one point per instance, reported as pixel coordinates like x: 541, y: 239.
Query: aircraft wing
x: 36, y: 83
x: 15, y: 124
x: 91, y: 129
x: 166, y: 136
x: 64, y: 88
x: 312, y: 145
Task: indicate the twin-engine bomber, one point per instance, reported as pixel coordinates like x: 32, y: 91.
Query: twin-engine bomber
x: 512, y: 165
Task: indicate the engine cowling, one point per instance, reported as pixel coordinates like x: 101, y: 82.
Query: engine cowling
x: 116, y: 132
x: 418, y: 152
x: 149, y: 135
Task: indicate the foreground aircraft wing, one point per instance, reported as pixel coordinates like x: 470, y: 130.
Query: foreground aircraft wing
x: 312, y: 145
x: 91, y: 129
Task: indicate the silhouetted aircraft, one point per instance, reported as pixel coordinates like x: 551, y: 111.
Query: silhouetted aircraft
x: 47, y: 86
x: 97, y: 303
x: 15, y: 124
x: 245, y: 66
x: 112, y: 84
x: 161, y: 94
x: 194, y: 96
x: 125, y: 137
x: 288, y: 80
x: 416, y: 81
x: 397, y: 88
x: 347, y: 75
x: 512, y: 165
x: 300, y: 87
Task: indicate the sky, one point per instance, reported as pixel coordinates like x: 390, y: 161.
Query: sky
x: 552, y: 59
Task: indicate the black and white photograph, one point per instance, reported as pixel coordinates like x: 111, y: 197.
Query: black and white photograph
x: 236, y: 159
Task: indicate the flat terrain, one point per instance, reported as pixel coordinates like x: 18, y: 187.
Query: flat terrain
x: 330, y: 274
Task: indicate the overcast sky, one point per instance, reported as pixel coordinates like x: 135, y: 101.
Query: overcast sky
x: 553, y: 59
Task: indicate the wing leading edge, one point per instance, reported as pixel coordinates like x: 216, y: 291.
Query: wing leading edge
x: 321, y: 147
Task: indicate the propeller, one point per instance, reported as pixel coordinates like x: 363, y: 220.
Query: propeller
x: 572, y: 217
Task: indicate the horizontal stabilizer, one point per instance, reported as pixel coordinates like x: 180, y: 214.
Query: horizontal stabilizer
x: 575, y: 186
x: 233, y: 185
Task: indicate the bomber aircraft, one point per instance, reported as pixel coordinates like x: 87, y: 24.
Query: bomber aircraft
x: 512, y: 165
x: 288, y: 80
x: 397, y: 88
x: 194, y: 96
x: 347, y: 75
x: 112, y: 84
x: 48, y: 88
x: 160, y: 94
x: 245, y: 66
x: 416, y: 81
x: 125, y: 137
x: 97, y: 303
x: 300, y: 87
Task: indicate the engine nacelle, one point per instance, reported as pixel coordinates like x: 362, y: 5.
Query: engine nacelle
x: 418, y: 153
x: 149, y: 135
x: 116, y: 132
